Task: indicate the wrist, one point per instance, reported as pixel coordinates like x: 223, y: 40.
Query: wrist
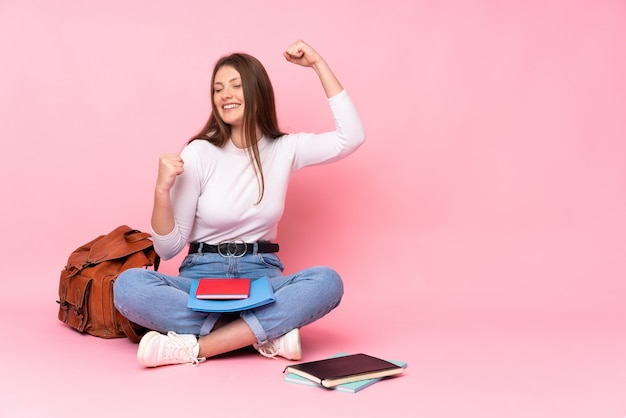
x: 161, y: 192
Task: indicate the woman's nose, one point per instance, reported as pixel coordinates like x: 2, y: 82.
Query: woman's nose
x: 226, y: 93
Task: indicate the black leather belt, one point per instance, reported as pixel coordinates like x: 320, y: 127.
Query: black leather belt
x: 235, y: 248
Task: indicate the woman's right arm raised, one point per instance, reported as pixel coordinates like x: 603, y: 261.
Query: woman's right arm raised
x: 170, y: 166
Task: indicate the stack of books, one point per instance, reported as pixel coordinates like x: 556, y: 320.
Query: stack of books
x: 229, y: 294
x: 343, y: 372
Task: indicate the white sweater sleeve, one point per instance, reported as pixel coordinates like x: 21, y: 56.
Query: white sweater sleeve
x: 332, y: 146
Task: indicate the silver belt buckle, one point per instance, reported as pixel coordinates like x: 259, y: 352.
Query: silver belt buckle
x: 231, y: 248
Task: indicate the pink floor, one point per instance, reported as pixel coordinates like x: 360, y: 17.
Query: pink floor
x: 465, y: 366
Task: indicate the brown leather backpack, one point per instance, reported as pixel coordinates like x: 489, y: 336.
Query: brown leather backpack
x: 86, y: 283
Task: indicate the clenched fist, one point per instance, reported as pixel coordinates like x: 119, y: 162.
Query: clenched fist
x: 170, y: 166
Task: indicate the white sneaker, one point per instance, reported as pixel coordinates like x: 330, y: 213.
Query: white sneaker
x: 156, y: 349
x: 287, y: 346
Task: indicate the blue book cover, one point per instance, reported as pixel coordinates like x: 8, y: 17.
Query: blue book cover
x: 261, y: 293
x: 352, y: 387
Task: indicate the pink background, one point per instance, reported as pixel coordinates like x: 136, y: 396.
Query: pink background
x: 480, y: 230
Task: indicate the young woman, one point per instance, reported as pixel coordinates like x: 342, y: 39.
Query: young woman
x: 224, y: 196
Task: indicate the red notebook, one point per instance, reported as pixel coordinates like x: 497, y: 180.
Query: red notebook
x: 223, y: 288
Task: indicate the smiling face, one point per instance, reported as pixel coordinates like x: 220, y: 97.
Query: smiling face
x: 228, y: 96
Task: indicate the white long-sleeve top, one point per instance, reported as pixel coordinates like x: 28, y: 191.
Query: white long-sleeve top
x: 215, y: 198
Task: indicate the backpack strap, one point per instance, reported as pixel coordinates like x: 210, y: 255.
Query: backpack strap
x: 131, y: 332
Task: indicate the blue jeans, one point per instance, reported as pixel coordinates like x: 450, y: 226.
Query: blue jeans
x: 159, y: 302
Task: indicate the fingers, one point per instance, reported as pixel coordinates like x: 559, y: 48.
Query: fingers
x: 295, y: 50
x: 173, y: 160
x: 293, y: 53
x: 301, y: 53
x: 170, y: 166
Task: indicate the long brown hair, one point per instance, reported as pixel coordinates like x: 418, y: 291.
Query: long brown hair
x: 259, y: 111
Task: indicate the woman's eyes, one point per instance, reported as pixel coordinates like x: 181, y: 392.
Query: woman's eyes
x: 217, y: 90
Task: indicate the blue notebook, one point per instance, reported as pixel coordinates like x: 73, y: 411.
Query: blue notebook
x: 352, y: 387
x: 261, y: 293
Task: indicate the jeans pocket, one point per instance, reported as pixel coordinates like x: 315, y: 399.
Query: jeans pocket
x: 187, y: 262
x: 271, y: 260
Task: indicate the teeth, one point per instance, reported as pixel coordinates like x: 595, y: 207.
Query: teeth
x: 230, y: 106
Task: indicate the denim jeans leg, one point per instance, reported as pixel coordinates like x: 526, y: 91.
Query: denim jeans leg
x: 159, y: 302
x: 301, y: 299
